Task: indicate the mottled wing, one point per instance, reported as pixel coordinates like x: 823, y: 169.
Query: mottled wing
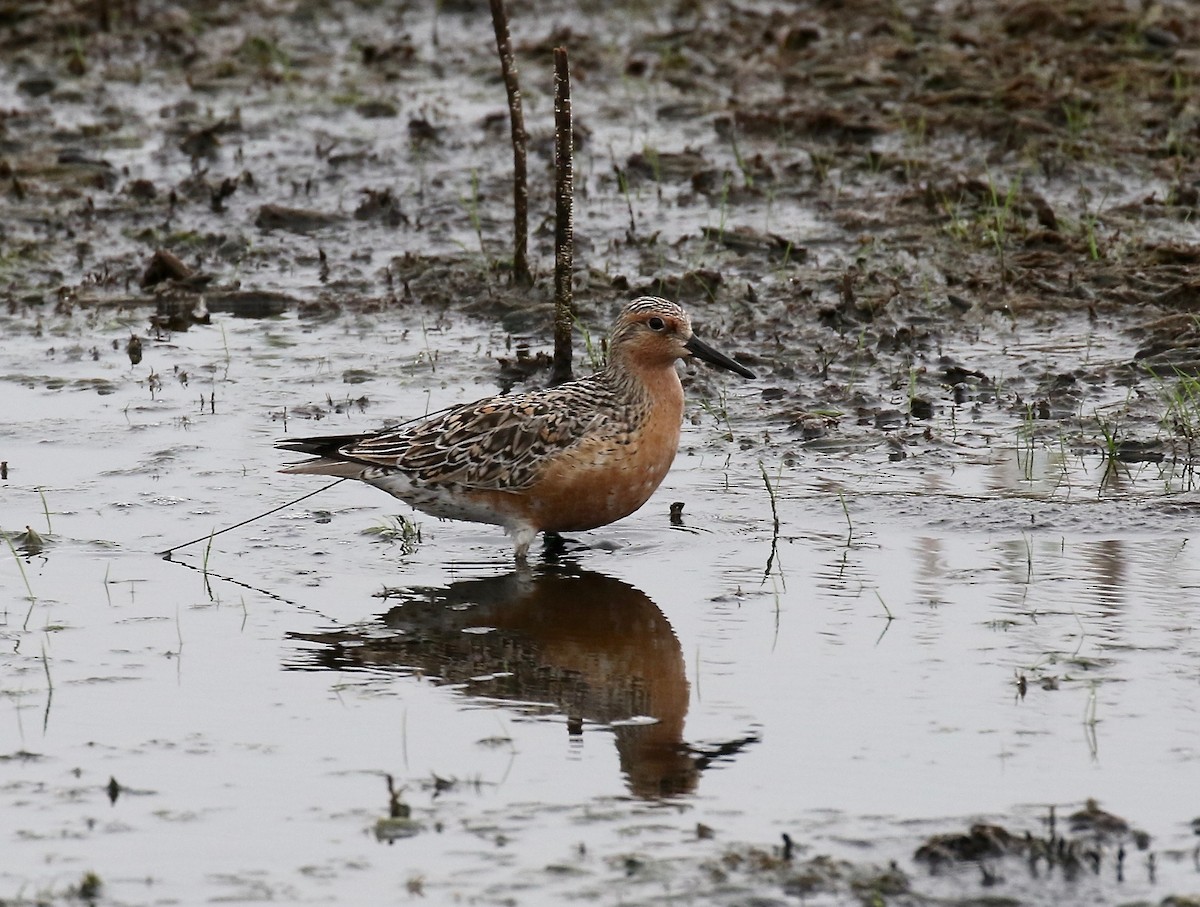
x: 497, y: 444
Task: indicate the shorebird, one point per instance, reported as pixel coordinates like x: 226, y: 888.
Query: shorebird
x: 562, y: 459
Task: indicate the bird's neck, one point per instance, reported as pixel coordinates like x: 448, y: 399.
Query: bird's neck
x: 657, y: 387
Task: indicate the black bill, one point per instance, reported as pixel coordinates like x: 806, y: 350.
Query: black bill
x: 702, y: 350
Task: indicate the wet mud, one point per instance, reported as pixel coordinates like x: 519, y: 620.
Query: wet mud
x: 921, y: 588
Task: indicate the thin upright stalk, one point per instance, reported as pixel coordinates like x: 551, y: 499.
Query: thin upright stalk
x: 508, y: 68
x: 564, y: 230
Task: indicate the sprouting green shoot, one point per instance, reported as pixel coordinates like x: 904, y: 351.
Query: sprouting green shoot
x: 747, y: 175
x: 471, y: 203
x: 594, y: 353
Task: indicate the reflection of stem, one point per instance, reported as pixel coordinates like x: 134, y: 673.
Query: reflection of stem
x: 887, y: 624
x: 1089, y: 723
x: 228, y: 355
x: 49, y: 690
x: 166, y: 554
x: 403, y: 740
x: 275, y: 596
x: 25, y: 577
x: 179, y: 630
x: 775, y: 635
x: 207, y: 552
x: 1082, y: 632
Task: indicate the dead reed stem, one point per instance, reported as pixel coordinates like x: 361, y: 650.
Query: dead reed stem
x: 564, y: 309
x: 508, y: 68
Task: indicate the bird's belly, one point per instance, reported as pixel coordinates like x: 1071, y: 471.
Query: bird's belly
x: 446, y: 502
x: 599, y: 483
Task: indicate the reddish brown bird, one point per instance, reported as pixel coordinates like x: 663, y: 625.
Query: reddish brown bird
x: 563, y: 459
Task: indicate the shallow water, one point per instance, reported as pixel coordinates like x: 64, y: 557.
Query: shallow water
x: 852, y: 682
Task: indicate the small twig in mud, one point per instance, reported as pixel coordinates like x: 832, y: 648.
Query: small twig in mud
x: 887, y: 624
x: 846, y: 511
x: 167, y: 552
x: 508, y: 68
x: 46, y: 509
x: 771, y: 495
x: 1028, y: 560
x: 623, y: 186
x: 204, y: 567
x: 564, y: 213
x: 775, y: 531
x: 228, y: 360
x: 886, y: 610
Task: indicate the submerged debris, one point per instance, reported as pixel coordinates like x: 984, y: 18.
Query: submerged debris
x: 165, y: 266
x: 294, y: 220
x: 1101, y: 842
x: 398, y: 822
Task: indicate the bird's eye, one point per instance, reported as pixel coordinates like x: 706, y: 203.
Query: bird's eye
x: 656, y: 323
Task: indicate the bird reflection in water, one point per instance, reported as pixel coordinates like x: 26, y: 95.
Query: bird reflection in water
x: 596, y: 648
